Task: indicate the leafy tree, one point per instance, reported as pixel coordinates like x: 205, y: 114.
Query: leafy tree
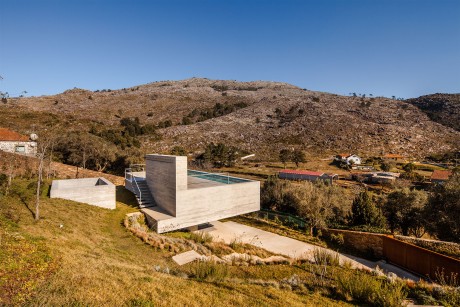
x: 316, y: 202
x: 272, y: 195
x: 364, y: 212
x: 178, y: 151
x: 298, y: 156
x: 186, y: 120
x: 443, y: 209
x: 409, y: 167
x: 219, y: 155
x: 85, y: 150
x: 404, y: 211
x: 385, y: 166
x: 131, y: 126
x: 285, y: 156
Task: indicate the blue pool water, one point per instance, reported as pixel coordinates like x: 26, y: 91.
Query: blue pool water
x: 215, y: 177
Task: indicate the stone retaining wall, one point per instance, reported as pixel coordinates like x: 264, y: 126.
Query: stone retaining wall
x: 364, y: 242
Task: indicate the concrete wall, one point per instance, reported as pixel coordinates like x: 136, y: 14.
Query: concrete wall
x: 167, y: 180
x: 199, y: 206
x: 93, y: 191
x: 10, y: 146
x: 166, y: 175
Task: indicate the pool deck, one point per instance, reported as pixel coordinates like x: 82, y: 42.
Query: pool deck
x: 193, y: 181
x: 199, y: 183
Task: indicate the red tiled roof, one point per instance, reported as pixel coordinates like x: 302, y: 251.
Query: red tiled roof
x: 441, y: 175
x: 8, y: 135
x: 300, y: 172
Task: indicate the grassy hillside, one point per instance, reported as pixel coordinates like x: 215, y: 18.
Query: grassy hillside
x: 93, y: 260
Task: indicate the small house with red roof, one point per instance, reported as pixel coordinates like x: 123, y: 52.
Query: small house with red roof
x: 307, y: 175
x: 11, y: 141
x: 440, y: 176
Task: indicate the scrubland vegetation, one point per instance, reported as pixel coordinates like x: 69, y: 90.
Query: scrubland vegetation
x: 406, y: 211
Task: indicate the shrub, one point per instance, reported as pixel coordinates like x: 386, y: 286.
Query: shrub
x: 325, y: 257
x: 366, y: 289
x: 236, y: 243
x: 201, y: 237
x: 209, y: 271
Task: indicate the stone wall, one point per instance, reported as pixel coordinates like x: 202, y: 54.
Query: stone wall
x: 365, y: 242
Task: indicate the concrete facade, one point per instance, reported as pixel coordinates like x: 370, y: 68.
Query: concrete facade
x: 185, y: 200
x: 93, y: 191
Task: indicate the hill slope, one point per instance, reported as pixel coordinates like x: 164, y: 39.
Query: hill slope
x: 260, y: 117
x: 441, y: 108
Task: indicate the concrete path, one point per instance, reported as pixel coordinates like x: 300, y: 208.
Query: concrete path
x: 292, y: 248
x: 186, y: 257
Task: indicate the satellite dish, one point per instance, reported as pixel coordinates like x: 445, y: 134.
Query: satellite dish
x: 33, y: 137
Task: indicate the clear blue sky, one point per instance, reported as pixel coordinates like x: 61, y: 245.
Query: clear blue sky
x: 405, y: 48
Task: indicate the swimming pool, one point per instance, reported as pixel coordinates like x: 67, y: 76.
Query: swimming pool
x: 215, y: 177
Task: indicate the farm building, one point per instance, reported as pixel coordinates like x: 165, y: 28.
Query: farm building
x: 173, y: 197
x: 11, y: 141
x: 440, y: 176
x: 307, y: 175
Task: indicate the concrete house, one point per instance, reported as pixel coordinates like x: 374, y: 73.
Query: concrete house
x: 173, y: 197
x: 307, y: 175
x: 348, y: 159
x: 11, y: 141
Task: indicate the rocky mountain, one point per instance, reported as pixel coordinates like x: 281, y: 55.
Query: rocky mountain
x: 441, y: 108
x: 259, y: 117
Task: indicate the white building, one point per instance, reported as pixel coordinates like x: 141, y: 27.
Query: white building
x: 11, y: 141
x: 348, y: 159
x: 173, y: 197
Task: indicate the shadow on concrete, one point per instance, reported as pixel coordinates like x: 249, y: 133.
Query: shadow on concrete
x: 125, y: 196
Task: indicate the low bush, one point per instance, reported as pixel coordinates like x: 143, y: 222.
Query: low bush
x: 363, y: 288
x: 201, y: 237
x: 209, y: 271
x: 325, y: 257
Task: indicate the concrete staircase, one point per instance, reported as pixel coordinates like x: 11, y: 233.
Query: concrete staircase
x: 143, y: 195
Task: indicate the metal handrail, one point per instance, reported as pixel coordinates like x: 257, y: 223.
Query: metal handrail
x: 133, y: 178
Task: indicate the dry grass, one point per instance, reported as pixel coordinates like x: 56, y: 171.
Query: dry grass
x: 102, y: 263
